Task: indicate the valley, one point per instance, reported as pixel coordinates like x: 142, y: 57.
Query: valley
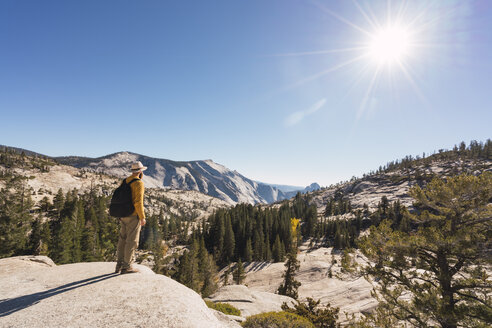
x: 185, y: 223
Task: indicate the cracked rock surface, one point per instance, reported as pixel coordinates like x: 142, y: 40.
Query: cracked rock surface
x: 34, y: 292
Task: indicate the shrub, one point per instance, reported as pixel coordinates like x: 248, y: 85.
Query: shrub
x: 224, y: 308
x: 320, y: 316
x: 277, y: 320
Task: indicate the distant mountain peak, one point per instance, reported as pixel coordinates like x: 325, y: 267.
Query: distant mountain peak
x: 205, y: 176
x: 312, y: 187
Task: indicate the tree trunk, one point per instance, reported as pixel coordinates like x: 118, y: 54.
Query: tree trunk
x: 448, y: 318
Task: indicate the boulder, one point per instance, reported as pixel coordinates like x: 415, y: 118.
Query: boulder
x: 34, y: 293
x: 250, y: 302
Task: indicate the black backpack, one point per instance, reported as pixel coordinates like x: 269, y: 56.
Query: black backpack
x: 121, y: 202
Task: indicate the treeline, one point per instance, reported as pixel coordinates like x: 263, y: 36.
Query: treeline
x: 74, y: 227
x: 242, y: 233
x: 197, y: 269
x: 474, y: 151
x: 170, y: 227
x: 193, y: 266
x: 343, y: 233
x: 337, y: 205
x: 11, y: 158
x: 254, y: 233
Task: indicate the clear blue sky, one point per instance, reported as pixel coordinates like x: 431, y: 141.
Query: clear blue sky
x: 227, y: 80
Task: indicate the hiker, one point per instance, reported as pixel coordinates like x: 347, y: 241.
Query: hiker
x: 130, y: 225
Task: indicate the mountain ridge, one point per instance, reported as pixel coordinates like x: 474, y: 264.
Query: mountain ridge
x: 205, y: 176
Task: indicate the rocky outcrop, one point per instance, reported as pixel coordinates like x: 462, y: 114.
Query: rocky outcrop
x: 394, y: 185
x: 250, y: 302
x: 321, y: 277
x: 36, y: 293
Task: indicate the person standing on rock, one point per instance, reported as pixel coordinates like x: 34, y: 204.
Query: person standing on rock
x: 130, y: 225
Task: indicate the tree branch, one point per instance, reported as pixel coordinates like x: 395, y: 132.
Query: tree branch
x: 475, y: 298
x: 470, y: 223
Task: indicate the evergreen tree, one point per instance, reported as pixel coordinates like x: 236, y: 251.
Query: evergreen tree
x: 310, y: 221
x: 89, y: 244
x: 329, y: 207
x: 248, y: 251
x: 209, y: 274
x: 45, y: 205
x: 35, y: 238
x: 227, y: 273
x: 441, y: 266
x: 78, y: 230
x: 62, y: 250
x: 239, y: 274
x: 267, y: 255
x: 15, y: 217
x: 290, y: 284
x: 45, y: 242
x: 338, y: 243
x: 258, y: 248
x: 229, y: 242
x: 59, y: 203
x: 278, y: 250
x: 187, y: 272
x: 217, y: 236
x: 321, y: 317
x: 151, y: 235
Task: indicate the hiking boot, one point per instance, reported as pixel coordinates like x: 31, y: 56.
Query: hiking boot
x: 118, y: 268
x: 129, y: 270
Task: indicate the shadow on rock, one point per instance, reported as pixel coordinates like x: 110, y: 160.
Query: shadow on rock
x: 11, y: 305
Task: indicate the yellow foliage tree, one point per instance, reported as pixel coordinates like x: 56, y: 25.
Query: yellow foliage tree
x: 294, y: 224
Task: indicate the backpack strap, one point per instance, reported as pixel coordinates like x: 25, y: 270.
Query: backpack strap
x: 129, y: 183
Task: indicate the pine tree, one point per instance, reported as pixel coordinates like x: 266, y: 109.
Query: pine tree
x: 89, y: 244
x: 329, y: 207
x: 258, y: 248
x: 227, y: 273
x: 59, y: 203
x: 45, y: 204
x: 78, y: 229
x: 441, y: 266
x: 322, y: 317
x: 45, y: 242
x: 338, y: 242
x: 278, y: 250
x: 107, y: 230
x: 267, y: 254
x: 187, y: 272
x: 209, y: 274
x: 15, y: 217
x: 218, y: 233
x: 229, y: 242
x: 151, y: 235
x: 239, y: 274
x: 248, y: 251
x: 290, y: 284
x: 62, y: 249
x: 34, y: 245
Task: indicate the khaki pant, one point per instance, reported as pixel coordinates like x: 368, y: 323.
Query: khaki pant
x: 128, y: 241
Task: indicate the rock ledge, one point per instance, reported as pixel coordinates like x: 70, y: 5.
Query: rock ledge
x: 36, y: 293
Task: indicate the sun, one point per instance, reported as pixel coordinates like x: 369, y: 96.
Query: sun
x: 389, y: 45
x: 395, y: 39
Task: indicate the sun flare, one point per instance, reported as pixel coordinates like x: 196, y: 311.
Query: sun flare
x: 389, y: 45
x: 395, y: 39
